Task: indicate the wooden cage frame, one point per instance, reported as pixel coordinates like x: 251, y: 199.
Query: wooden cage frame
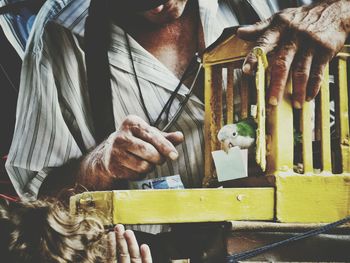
x: 294, y: 198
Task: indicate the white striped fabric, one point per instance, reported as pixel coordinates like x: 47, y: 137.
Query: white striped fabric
x: 53, y: 123
x: 53, y: 116
x: 13, y: 34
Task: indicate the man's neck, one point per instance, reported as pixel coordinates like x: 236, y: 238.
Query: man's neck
x: 173, y: 44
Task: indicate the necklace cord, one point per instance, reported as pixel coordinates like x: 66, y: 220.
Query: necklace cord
x: 137, y: 79
x: 166, y: 109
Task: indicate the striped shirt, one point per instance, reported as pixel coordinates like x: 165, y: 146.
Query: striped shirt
x: 53, y: 116
x: 17, y: 27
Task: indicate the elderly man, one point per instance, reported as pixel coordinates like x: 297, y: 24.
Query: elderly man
x: 57, y: 143
x: 148, y: 54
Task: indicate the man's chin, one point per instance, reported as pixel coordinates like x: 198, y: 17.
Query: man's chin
x: 163, y: 18
x: 167, y: 14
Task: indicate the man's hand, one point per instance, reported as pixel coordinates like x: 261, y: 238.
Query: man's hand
x: 128, y: 250
x: 132, y: 150
x: 304, y: 40
x: 137, y: 147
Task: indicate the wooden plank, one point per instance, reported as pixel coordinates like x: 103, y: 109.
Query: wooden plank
x: 344, y: 114
x: 261, y: 227
x: 101, y: 201
x: 192, y: 205
x: 312, y: 199
x: 325, y: 124
x: 227, y: 51
x: 306, y: 124
x: 260, y: 156
x: 280, y: 148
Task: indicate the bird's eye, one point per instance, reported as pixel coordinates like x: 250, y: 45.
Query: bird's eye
x: 234, y: 134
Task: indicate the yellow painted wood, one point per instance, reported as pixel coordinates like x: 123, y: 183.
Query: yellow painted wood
x: 193, y: 205
x: 312, y: 199
x: 230, y: 96
x: 176, y: 206
x: 101, y: 203
x: 261, y: 109
x: 306, y: 124
x: 280, y: 134
x: 208, y: 161
x: 325, y: 123
x: 228, y: 51
x: 344, y: 52
x: 344, y: 113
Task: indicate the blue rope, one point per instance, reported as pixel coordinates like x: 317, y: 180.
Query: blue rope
x: 252, y: 253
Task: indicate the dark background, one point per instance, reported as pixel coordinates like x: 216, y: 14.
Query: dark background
x: 10, y: 66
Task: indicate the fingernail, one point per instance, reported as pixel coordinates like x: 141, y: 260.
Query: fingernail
x: 296, y: 105
x: 173, y: 155
x: 246, y: 68
x: 273, y: 101
x: 119, y: 229
x: 178, y: 133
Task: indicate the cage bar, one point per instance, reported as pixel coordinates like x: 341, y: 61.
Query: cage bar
x: 280, y: 131
x: 230, y: 110
x: 261, y: 109
x: 325, y: 124
x: 344, y: 114
x: 244, y: 97
x: 306, y: 124
x: 213, y: 118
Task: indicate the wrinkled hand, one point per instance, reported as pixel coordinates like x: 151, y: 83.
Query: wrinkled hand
x: 304, y: 40
x: 137, y: 147
x: 133, y: 150
x: 128, y: 250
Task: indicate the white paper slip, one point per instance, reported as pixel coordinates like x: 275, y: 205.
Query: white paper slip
x: 231, y: 165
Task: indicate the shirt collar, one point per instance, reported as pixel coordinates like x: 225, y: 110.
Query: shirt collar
x: 73, y: 17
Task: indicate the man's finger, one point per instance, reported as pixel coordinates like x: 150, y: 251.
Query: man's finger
x: 280, y: 70
x: 155, y: 137
x: 122, y: 245
x: 252, y: 32
x: 133, y: 162
x: 267, y: 42
x: 133, y: 246
x: 146, y: 254
x: 175, y: 138
x: 317, y: 71
x: 144, y: 150
x: 300, y: 76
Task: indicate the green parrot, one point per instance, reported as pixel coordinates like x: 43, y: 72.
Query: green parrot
x: 241, y: 134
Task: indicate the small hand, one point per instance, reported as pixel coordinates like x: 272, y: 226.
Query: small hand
x: 304, y: 40
x: 137, y: 147
x: 128, y: 250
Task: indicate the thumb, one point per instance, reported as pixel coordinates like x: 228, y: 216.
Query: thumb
x: 174, y: 137
x: 252, y: 32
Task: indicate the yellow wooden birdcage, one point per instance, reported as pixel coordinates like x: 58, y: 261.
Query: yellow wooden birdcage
x: 315, y: 194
